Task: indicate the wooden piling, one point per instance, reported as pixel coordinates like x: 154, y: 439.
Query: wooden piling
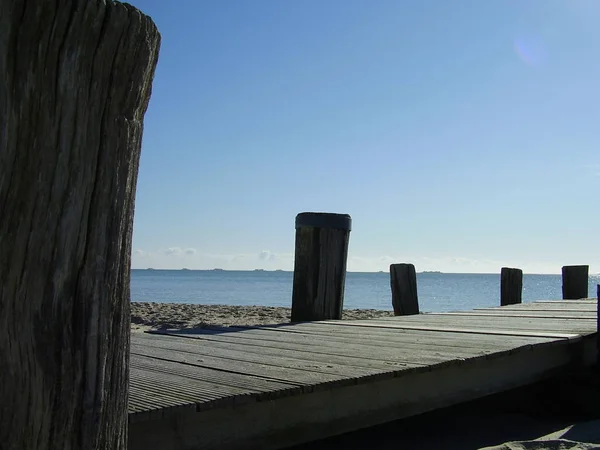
x: 75, y: 84
x: 511, y: 286
x: 598, y: 325
x: 320, y: 266
x: 403, y: 280
x: 575, y: 282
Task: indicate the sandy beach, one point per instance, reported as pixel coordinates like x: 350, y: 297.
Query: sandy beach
x: 154, y: 316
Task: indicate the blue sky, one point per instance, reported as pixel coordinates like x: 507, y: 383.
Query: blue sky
x: 461, y: 136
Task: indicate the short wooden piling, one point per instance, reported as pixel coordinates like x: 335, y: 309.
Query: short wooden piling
x: 511, y: 286
x: 320, y: 266
x: 575, y: 282
x: 403, y: 280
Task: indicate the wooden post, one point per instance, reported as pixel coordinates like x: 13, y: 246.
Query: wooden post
x: 511, y: 286
x: 598, y: 325
x: 75, y: 85
x: 320, y: 266
x: 575, y: 282
x: 403, y: 280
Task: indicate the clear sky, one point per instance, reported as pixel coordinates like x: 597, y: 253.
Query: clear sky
x: 460, y: 135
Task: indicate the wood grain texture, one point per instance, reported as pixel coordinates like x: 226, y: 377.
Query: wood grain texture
x: 403, y: 280
x: 76, y: 81
x: 575, y: 282
x: 511, y: 286
x: 343, y: 340
x: 319, y: 273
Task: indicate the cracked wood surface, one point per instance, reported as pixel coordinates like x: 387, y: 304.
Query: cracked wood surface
x: 76, y: 81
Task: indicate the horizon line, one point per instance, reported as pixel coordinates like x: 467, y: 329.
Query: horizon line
x: 437, y: 272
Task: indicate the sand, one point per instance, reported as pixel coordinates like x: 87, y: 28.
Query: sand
x: 154, y: 316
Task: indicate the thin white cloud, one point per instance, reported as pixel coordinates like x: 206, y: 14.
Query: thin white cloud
x: 190, y: 251
x: 266, y: 255
x: 173, y: 251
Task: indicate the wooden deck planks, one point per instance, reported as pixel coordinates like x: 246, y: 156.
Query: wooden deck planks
x: 570, y: 305
x: 326, y: 331
x: 318, y: 341
x: 182, y: 372
x: 527, y: 314
x: 517, y: 325
x: 582, y: 324
x: 457, y: 328
x: 349, y: 353
x: 280, y: 368
x: 301, y: 354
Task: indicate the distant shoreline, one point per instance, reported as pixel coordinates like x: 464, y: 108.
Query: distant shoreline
x: 424, y: 272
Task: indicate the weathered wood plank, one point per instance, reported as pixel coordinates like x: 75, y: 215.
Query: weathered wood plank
x: 500, y: 323
x: 543, y: 307
x: 458, y: 329
x: 409, y: 334
x: 526, y: 314
x: 381, y: 335
x: 349, y: 356
x: 75, y: 83
x: 327, y: 341
x: 281, y: 368
x: 486, y: 320
x: 218, y: 380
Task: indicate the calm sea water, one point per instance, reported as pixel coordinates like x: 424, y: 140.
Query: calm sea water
x: 437, y: 292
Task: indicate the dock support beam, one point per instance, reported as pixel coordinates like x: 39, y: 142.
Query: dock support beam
x: 403, y: 280
x: 320, y: 266
x: 575, y: 282
x: 511, y: 286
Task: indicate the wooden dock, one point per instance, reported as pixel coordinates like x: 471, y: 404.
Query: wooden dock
x: 275, y: 386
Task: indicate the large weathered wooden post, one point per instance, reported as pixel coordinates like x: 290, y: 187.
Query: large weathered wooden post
x: 320, y: 266
x: 511, y: 286
x: 403, y: 281
x: 575, y: 282
x: 75, y: 82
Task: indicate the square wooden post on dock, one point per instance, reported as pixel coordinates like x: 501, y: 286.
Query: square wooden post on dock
x: 403, y: 280
x: 511, y: 286
x: 575, y: 282
x: 320, y: 266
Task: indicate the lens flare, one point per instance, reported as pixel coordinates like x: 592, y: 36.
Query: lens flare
x: 529, y: 49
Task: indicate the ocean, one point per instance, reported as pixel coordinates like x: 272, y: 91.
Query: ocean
x: 437, y: 291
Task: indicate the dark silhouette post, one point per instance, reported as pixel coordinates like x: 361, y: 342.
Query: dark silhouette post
x: 598, y: 324
x: 511, y: 286
x: 403, y: 280
x: 575, y: 282
x: 320, y: 266
x: 75, y: 83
